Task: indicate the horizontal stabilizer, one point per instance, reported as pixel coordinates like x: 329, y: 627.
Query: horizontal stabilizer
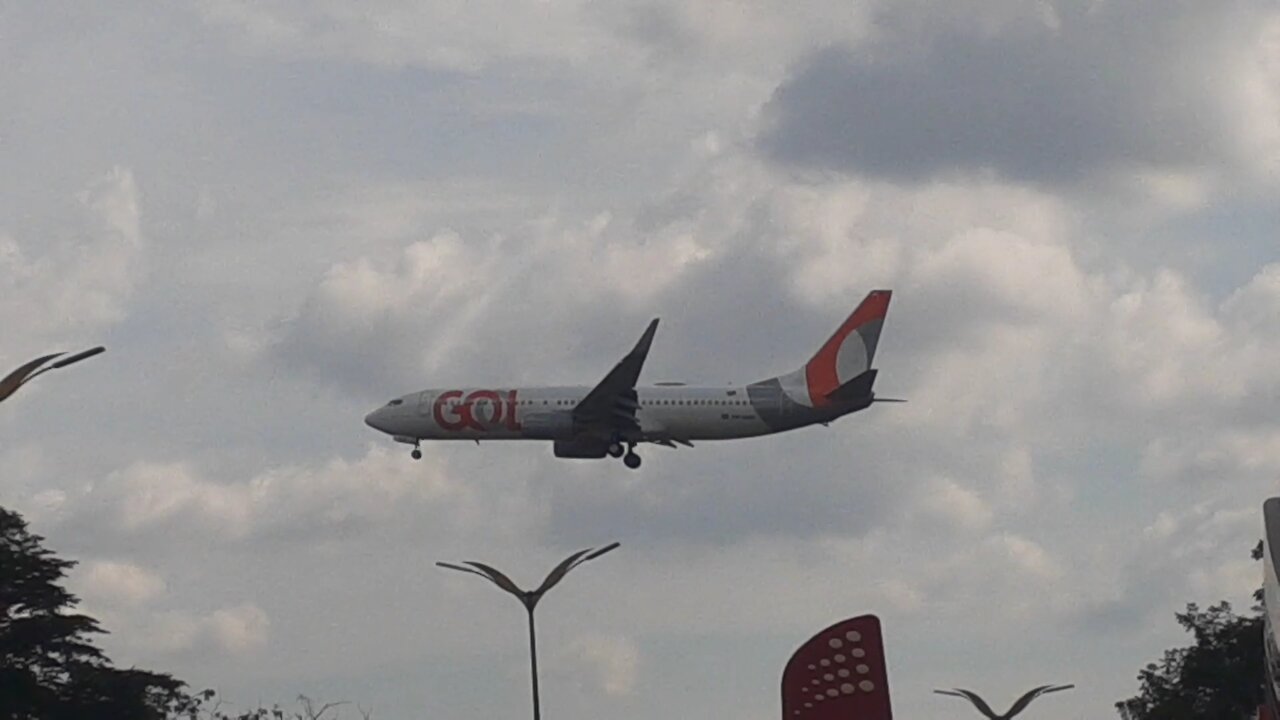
x: 856, y: 389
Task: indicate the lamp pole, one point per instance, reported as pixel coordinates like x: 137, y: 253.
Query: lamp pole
x: 530, y: 598
x: 25, y: 374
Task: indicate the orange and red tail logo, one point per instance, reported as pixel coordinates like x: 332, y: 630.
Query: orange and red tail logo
x: 850, y: 350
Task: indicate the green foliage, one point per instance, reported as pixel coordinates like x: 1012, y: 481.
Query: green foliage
x: 49, y: 668
x: 1220, y: 677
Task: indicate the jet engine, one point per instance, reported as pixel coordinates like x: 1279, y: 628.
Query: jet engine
x: 548, y: 426
x: 586, y: 447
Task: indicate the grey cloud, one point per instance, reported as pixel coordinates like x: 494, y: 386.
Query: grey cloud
x: 1108, y: 85
x: 658, y: 27
x: 479, y: 316
x: 816, y: 483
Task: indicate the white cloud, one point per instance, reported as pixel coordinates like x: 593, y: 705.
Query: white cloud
x: 1013, y: 273
x: 79, y: 283
x: 234, y: 631
x: 238, y: 629
x: 468, y: 37
x: 452, y: 35
x: 1221, y: 452
x: 324, y: 499
x: 1027, y: 556
x: 1164, y: 338
x: 1195, y: 554
x: 1255, y: 88
x: 120, y: 583
x: 943, y: 500
x: 612, y: 662
x: 409, y: 315
x: 1256, y: 305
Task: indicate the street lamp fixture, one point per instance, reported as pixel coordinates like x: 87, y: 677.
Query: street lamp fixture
x: 1018, y: 706
x: 530, y: 598
x: 32, y: 370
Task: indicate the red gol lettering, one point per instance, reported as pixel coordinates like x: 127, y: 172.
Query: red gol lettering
x: 477, y: 409
x: 474, y: 414
x: 513, y: 423
x: 457, y: 421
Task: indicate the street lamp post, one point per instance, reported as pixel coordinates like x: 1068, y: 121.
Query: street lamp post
x: 25, y: 374
x: 1018, y: 706
x: 530, y: 598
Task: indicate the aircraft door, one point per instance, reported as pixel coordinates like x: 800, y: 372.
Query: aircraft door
x: 425, y: 400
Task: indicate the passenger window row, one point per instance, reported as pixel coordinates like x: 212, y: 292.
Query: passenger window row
x: 643, y: 403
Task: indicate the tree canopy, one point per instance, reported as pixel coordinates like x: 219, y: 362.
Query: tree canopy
x: 49, y: 667
x: 1219, y: 677
x: 51, y: 670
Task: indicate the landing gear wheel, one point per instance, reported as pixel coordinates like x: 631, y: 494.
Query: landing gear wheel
x: 416, y: 454
x: 631, y: 460
x: 616, y: 450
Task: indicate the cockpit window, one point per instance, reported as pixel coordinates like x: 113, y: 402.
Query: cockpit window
x: 397, y: 401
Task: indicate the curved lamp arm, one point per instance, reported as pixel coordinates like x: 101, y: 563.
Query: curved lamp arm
x: 530, y: 598
x: 28, y: 372
x: 1018, y: 706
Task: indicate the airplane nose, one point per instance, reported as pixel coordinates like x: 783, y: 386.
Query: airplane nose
x: 376, y: 420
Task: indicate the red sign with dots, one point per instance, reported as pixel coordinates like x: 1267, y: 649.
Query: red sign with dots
x: 839, y: 674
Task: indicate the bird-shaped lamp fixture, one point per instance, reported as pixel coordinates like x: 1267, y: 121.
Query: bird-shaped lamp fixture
x: 1018, y: 706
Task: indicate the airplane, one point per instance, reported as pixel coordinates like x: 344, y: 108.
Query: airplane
x: 615, y: 415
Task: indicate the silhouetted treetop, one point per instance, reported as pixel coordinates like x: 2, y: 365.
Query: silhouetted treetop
x: 49, y: 668
x: 1220, y: 677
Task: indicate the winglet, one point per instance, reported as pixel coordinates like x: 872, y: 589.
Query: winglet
x: 612, y: 402
x: 642, y: 347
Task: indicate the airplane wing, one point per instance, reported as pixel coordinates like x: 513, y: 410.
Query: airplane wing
x: 611, y: 406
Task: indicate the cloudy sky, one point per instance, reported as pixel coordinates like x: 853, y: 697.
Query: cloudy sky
x: 279, y: 214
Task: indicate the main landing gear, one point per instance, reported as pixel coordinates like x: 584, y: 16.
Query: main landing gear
x: 627, y: 452
x: 417, y: 451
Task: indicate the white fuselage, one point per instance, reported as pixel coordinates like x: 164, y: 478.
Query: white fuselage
x: 679, y: 411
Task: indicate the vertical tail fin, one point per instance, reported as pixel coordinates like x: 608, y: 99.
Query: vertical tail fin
x: 850, y: 350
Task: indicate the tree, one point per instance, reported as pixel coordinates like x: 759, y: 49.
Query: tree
x: 49, y: 668
x: 1220, y: 677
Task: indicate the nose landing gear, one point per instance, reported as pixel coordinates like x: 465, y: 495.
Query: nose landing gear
x: 631, y: 459
x: 409, y: 440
